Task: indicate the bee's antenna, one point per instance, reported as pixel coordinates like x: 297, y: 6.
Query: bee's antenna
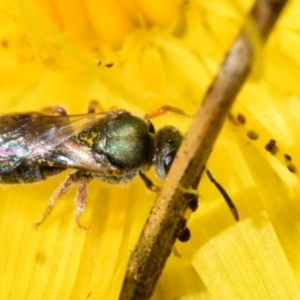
x: 225, y: 195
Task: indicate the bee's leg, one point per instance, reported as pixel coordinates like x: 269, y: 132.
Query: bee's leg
x: 94, y: 105
x: 149, y: 184
x: 81, y: 199
x: 59, y: 192
x: 54, y: 110
x: 164, y: 109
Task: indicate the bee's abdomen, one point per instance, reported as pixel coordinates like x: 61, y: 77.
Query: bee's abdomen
x: 29, y: 174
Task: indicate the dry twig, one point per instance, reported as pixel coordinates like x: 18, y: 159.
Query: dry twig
x: 167, y: 215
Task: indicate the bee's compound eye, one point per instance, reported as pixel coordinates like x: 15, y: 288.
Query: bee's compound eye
x: 168, y: 161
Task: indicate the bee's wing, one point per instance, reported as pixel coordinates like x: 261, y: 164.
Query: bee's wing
x: 35, y: 135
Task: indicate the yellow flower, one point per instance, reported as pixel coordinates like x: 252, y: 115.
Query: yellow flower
x: 60, y: 52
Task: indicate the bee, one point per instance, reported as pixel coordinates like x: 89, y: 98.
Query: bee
x: 113, y: 146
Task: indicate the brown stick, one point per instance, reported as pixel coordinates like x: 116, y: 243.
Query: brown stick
x: 167, y: 215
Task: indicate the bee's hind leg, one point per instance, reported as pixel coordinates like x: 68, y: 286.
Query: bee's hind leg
x: 65, y: 186
x: 81, y: 198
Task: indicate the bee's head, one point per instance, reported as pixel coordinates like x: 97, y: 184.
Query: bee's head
x: 166, y: 144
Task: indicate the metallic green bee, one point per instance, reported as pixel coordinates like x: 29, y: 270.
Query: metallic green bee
x: 113, y: 146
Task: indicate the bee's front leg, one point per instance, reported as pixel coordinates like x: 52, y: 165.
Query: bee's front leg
x: 165, y: 109
x: 149, y: 184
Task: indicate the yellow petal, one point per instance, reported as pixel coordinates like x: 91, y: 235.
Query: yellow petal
x: 246, y: 262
